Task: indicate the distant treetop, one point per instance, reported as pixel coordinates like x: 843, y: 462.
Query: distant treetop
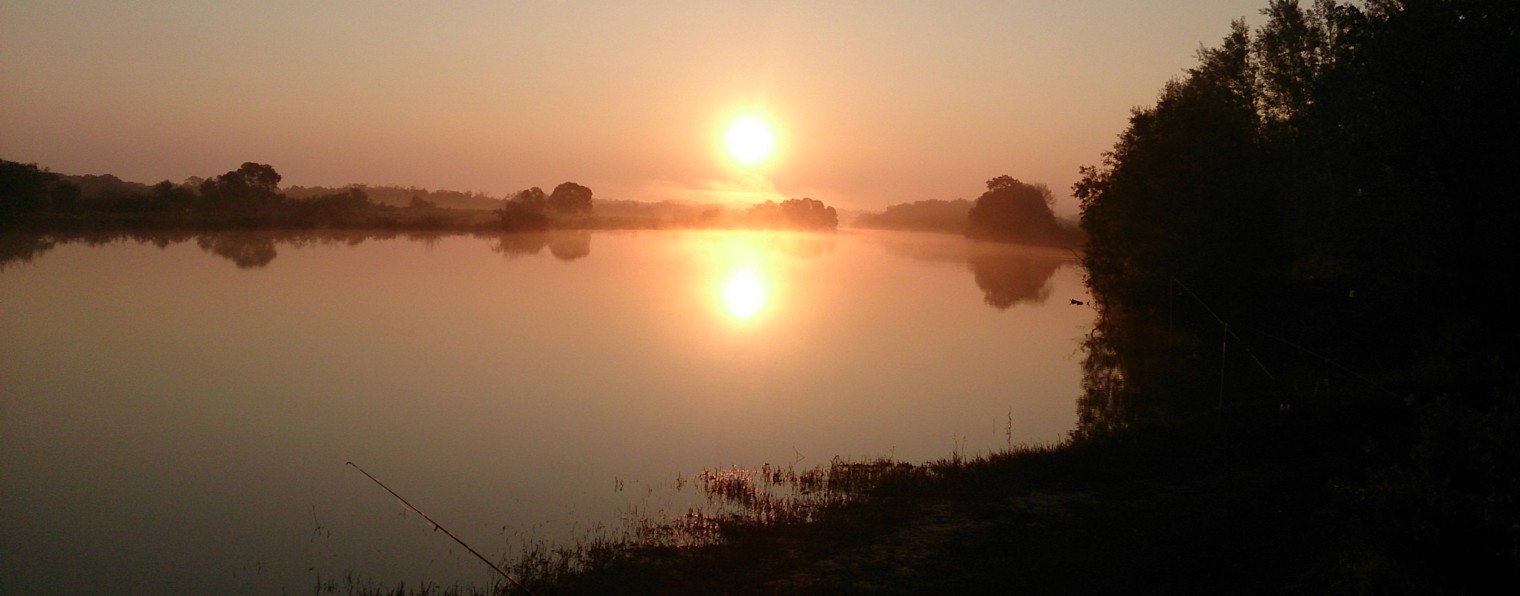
x: 1015, y: 211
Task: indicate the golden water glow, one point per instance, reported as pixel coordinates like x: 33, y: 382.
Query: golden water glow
x: 744, y: 293
x: 749, y: 140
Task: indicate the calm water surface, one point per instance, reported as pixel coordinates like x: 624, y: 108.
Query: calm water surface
x: 175, y: 413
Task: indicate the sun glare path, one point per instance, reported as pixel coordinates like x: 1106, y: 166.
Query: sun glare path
x: 749, y: 140
x: 744, y: 294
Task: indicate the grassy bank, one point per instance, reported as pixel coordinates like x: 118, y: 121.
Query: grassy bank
x: 1244, y: 501
x: 1250, y: 500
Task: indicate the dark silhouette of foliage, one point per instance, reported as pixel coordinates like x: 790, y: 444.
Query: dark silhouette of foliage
x: 251, y: 185
x: 333, y: 209
x: 168, y: 196
x: 518, y: 217
x: 805, y: 214
x: 525, y: 211
x: 105, y: 191
x: 532, y: 198
x: 930, y: 215
x: 1184, y: 195
x: 1322, y: 202
x: 1012, y: 211
x: 1338, y: 151
x: 530, y: 209
x: 570, y: 198
x: 398, y: 196
x: 26, y: 189
x: 251, y: 198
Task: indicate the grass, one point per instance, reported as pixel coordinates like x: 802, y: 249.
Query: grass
x: 1250, y: 500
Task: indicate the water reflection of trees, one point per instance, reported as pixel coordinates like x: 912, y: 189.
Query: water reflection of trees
x: 253, y: 249
x: 22, y: 248
x: 1129, y: 374
x: 248, y: 250
x: 565, y: 245
x: 1007, y: 274
x: 1007, y: 278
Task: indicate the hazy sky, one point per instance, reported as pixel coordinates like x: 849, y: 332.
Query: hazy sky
x: 872, y: 103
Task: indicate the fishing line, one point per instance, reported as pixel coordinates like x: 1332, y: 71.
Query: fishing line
x: 436, y: 526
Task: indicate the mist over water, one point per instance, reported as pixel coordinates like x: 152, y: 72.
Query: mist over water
x: 177, y: 412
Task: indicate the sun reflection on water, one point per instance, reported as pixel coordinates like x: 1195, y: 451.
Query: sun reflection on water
x: 748, y: 276
x: 744, y: 293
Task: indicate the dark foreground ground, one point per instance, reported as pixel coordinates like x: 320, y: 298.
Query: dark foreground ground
x: 1248, y: 501
x: 1314, y: 500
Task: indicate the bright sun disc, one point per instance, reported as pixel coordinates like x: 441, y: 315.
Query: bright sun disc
x: 749, y: 140
x: 744, y: 294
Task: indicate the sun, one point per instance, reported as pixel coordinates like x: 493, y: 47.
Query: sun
x: 749, y: 140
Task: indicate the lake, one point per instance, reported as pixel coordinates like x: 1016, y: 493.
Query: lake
x: 176, y: 411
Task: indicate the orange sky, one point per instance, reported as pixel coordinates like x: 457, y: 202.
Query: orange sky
x: 873, y: 103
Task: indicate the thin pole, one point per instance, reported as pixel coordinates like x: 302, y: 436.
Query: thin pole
x: 436, y: 525
x: 1224, y: 349
x: 1227, y: 331
x: 1328, y: 361
x: 1171, y: 317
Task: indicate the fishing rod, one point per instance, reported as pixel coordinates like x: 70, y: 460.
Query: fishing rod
x: 437, y: 526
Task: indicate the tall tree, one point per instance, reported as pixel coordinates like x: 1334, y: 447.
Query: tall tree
x: 1183, y: 197
x: 570, y: 198
x: 26, y: 189
x: 249, y: 185
x: 1014, y: 211
x: 1336, y: 152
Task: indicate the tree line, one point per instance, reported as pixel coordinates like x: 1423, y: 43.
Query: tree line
x: 1322, y: 206
x: 32, y: 198
x: 1336, y: 174
x: 258, y: 248
x: 250, y: 197
x: 532, y: 209
x: 1009, y: 211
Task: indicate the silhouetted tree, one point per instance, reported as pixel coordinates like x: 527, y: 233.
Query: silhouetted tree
x: 168, y: 196
x: 532, y: 198
x: 1184, y: 195
x: 26, y: 189
x: 570, y: 198
x: 250, y: 185
x: 1013, y: 211
x: 339, y: 209
x: 804, y: 213
x: 64, y: 195
x: 105, y: 191
x: 1338, y: 151
x: 526, y: 210
x: 809, y: 213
